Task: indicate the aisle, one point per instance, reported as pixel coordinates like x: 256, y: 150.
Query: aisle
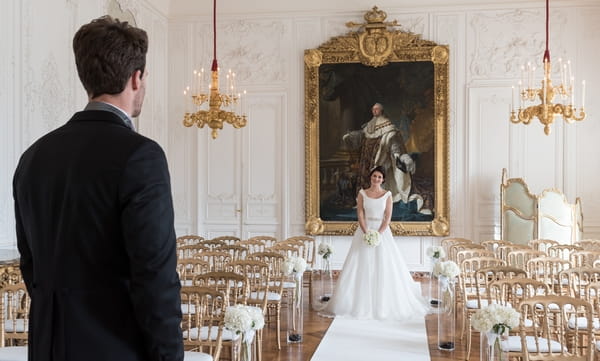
x: 354, y: 340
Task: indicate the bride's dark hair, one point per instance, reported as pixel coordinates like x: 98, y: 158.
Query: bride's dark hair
x: 379, y: 169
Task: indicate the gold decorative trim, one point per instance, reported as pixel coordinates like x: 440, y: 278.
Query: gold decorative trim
x: 376, y: 44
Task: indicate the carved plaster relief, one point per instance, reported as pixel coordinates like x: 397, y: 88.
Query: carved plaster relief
x: 504, y: 41
x: 242, y: 47
x: 53, y: 95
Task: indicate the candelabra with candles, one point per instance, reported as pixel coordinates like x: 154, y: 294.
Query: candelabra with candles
x: 221, y: 106
x: 547, y: 109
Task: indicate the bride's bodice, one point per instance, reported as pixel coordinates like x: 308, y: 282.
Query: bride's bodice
x: 374, y: 209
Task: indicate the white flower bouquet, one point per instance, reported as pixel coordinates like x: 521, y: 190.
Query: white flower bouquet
x: 243, y: 319
x: 447, y: 269
x: 495, y: 318
x: 372, y: 238
x: 436, y: 252
x: 325, y: 250
x: 294, y: 265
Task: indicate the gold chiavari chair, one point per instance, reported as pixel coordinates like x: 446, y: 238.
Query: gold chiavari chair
x: 573, y: 281
x: 542, y: 244
x: 310, y: 255
x: 253, y: 246
x: 258, y: 277
x: 472, y: 288
x: 284, y: 250
x: 549, y: 336
x: 449, y: 242
x: 10, y: 275
x: 233, y: 285
x: 268, y: 241
x: 584, y: 258
x: 213, y: 243
x: 503, y: 251
x: 546, y: 269
x: 589, y: 244
x: 563, y: 251
x: 472, y: 253
x: 216, y: 260
x: 14, y: 315
x: 188, y: 239
x: 592, y: 295
x: 230, y: 240
x: 188, y: 268
x: 493, y: 244
x: 454, y: 249
x: 519, y: 257
x: 203, y: 310
x: 190, y: 250
x: 277, y: 285
x: 236, y: 252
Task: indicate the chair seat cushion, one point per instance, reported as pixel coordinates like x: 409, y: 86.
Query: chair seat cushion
x: 581, y: 323
x: 513, y: 344
x: 271, y: 296
x: 13, y: 353
x: 196, y: 356
x: 18, y: 325
x: 473, y: 304
x: 214, y: 331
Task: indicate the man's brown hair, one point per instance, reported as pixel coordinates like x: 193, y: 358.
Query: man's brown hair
x: 107, y: 52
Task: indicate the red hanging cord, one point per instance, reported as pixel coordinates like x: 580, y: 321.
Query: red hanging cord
x: 214, y: 62
x: 547, y: 52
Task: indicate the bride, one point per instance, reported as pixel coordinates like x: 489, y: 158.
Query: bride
x: 375, y: 282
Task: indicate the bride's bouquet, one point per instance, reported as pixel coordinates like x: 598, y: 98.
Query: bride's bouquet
x: 372, y: 238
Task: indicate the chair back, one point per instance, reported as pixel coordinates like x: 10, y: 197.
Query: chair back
x: 230, y: 240
x: 253, y: 245
x: 310, y: 248
x: 203, y: 312
x: 14, y: 315
x: 216, y: 260
x: 563, y: 251
x: 556, y: 328
x: 258, y: 276
x: 189, y: 239
x: 268, y: 241
x: 519, y: 257
x: 188, y: 268
x: 542, y: 244
x: 234, y: 286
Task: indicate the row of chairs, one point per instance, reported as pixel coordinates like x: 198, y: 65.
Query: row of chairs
x: 500, y: 272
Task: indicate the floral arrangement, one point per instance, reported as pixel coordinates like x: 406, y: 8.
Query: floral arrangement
x: 372, y: 238
x: 243, y: 318
x: 436, y: 252
x: 325, y: 250
x: 495, y: 318
x: 447, y: 269
x: 294, y: 265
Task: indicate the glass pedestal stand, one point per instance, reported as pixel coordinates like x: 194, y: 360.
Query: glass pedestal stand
x: 295, y: 322
x: 446, y: 315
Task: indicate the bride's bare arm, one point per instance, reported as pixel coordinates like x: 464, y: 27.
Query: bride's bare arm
x: 360, y: 211
x: 387, y: 215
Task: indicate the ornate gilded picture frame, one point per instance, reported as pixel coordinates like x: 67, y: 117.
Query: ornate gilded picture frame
x: 406, y: 78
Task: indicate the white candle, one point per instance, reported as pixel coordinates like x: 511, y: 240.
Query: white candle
x: 512, y: 98
x: 572, y: 91
x: 582, y: 94
x: 520, y: 94
x: 528, y: 75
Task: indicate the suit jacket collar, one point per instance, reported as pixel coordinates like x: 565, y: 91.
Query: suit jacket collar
x: 98, y: 116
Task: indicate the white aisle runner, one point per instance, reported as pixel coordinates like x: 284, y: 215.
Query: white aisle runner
x: 360, y: 340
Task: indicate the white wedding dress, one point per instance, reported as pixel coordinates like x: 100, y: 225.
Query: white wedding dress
x: 375, y: 282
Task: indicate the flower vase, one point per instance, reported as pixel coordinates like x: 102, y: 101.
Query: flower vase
x: 295, y: 321
x: 433, y: 285
x: 246, y: 346
x: 491, y: 347
x: 446, y: 313
x: 322, y: 286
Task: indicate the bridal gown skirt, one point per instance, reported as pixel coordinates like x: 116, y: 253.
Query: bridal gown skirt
x: 375, y: 283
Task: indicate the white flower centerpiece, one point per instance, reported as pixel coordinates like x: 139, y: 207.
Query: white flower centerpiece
x: 325, y: 250
x: 372, y: 238
x: 495, y: 321
x: 323, y: 283
x: 436, y: 253
x: 294, y: 267
x: 244, y: 320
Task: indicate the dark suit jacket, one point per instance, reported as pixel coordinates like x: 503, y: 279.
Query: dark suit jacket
x: 94, y: 219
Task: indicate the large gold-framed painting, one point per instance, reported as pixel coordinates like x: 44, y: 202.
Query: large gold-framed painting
x: 377, y: 96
